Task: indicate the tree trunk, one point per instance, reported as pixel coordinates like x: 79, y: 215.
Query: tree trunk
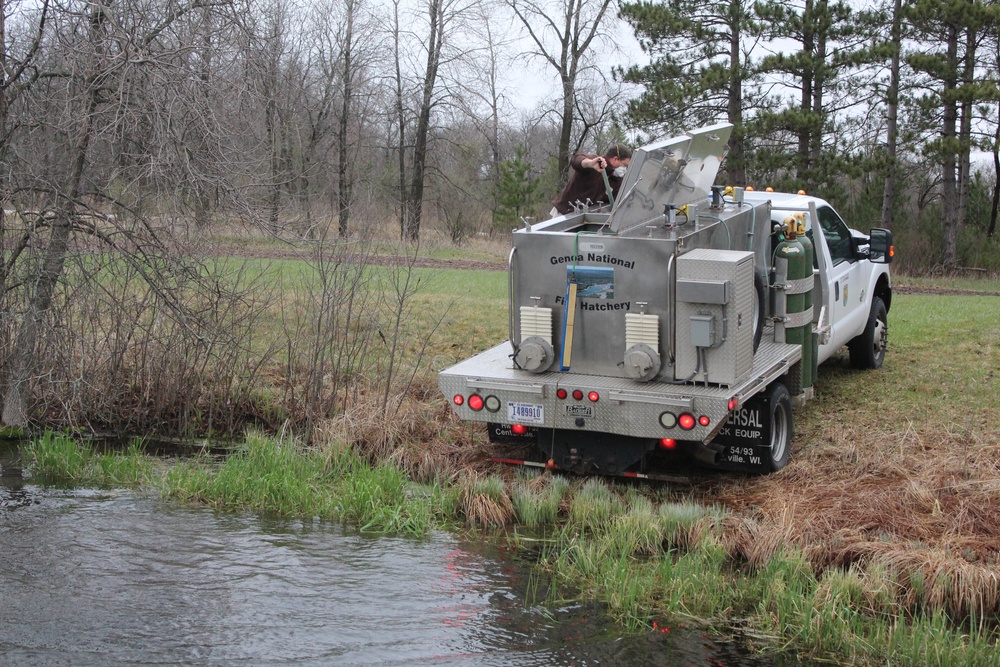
x: 416, y: 197
x: 806, y: 99
x: 736, y: 172
x: 344, y: 184
x: 891, y: 120
x: 965, y: 129
x: 22, y: 357
x: 401, y: 121
x: 949, y: 196
x: 996, y: 182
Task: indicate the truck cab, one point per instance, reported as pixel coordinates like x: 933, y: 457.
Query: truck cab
x: 849, y: 273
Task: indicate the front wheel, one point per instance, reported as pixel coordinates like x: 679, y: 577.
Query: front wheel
x: 867, y: 349
x: 779, y: 404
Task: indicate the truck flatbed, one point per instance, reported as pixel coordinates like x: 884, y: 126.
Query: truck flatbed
x: 492, y: 372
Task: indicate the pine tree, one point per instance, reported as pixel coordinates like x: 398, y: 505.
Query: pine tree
x: 950, y: 79
x: 516, y: 194
x: 828, y: 40
x: 698, y: 71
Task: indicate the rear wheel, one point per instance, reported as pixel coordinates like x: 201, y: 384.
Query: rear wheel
x: 867, y: 349
x: 779, y: 403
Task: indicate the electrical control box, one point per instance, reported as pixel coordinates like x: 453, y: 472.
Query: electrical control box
x: 715, y: 316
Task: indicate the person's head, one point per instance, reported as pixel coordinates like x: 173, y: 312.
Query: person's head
x: 618, y: 155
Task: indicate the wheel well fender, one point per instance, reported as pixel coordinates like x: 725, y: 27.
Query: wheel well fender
x: 883, y: 290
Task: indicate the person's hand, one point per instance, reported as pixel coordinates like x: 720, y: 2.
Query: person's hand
x: 597, y: 164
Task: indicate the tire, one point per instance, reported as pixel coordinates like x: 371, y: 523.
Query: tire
x: 867, y: 349
x: 779, y: 404
x: 759, y: 306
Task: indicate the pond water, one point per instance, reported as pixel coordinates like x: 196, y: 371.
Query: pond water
x: 96, y: 577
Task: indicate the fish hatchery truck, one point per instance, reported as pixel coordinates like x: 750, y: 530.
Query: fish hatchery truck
x: 681, y: 322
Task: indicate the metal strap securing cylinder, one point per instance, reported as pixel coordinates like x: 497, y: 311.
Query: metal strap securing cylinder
x: 800, y: 319
x: 799, y: 286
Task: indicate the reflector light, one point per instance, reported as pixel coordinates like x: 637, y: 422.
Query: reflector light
x: 518, y: 429
x: 577, y: 394
x: 686, y: 421
x: 892, y: 251
x: 476, y: 402
x: 704, y: 420
x: 561, y: 393
x: 668, y: 420
x: 733, y: 403
x: 668, y: 443
x: 458, y: 400
x: 594, y: 397
x: 492, y: 403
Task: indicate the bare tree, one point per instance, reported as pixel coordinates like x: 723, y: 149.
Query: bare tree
x: 94, y: 51
x: 563, y: 33
x: 439, y: 15
x: 485, y: 101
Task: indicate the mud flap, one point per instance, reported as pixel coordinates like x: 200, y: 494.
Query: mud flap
x: 746, y: 438
x: 502, y: 433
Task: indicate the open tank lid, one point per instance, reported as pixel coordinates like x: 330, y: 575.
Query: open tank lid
x: 677, y: 171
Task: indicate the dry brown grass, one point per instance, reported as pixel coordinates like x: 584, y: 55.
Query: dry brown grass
x: 419, y: 435
x: 485, y: 501
x: 920, y: 501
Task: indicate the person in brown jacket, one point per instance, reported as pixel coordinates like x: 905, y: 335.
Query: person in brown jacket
x: 586, y: 180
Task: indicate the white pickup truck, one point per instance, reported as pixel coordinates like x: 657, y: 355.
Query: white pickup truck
x: 680, y: 322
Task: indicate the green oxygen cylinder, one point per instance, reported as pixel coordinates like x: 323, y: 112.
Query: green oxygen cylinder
x: 809, y: 351
x: 797, y: 330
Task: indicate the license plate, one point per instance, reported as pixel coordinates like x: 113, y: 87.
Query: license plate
x: 525, y: 413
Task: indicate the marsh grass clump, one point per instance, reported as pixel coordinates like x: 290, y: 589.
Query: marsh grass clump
x: 282, y: 477
x: 485, y: 502
x: 935, y: 578
x: 263, y: 475
x: 593, y: 506
x: 637, y: 531
x: 269, y: 476
x: 57, y: 457
x: 537, y: 501
x: 685, y: 524
x: 378, y: 498
x: 61, y: 458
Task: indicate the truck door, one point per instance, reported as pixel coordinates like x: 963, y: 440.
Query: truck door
x: 846, y: 283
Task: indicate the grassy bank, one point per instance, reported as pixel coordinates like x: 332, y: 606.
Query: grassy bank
x: 877, y: 545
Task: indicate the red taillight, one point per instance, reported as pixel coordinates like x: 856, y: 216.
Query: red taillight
x: 734, y: 403
x: 577, y: 394
x: 476, y: 402
x: 668, y: 443
x: 703, y: 420
x: 518, y: 429
x: 686, y: 421
x: 594, y: 397
x: 458, y: 400
x: 561, y: 393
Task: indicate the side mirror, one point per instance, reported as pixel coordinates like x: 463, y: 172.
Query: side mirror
x: 880, y: 248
